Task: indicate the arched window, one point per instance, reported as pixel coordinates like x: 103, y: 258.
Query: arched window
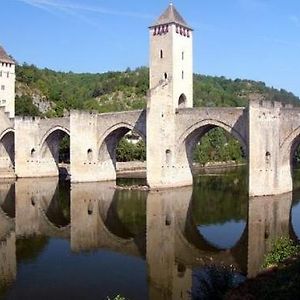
x: 182, y: 101
x: 268, y: 157
x: 32, y: 152
x: 168, y: 156
x: 90, y: 154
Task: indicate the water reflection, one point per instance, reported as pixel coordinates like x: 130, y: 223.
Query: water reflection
x: 170, y: 234
x: 295, y: 228
x: 8, y: 266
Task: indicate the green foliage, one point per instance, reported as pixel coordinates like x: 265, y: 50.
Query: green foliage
x: 282, y: 249
x: 64, y: 149
x: 117, y: 91
x: 127, y: 151
x: 25, y: 107
x: 218, y: 145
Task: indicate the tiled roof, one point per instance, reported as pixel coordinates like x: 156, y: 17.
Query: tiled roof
x: 171, y: 15
x: 4, y: 57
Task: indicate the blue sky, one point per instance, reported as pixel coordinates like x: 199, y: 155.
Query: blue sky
x: 248, y: 39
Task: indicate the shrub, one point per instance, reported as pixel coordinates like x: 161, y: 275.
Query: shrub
x: 282, y: 249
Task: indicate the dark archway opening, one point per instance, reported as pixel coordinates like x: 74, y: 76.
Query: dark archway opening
x: 57, y: 147
x: 127, y: 150
x: 182, y: 100
x: 7, y: 152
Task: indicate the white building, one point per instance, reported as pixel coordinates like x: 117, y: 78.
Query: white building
x: 7, y: 83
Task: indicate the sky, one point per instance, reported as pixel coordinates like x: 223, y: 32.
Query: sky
x: 247, y: 39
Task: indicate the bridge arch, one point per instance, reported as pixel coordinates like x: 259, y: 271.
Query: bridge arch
x: 188, y: 139
x: 289, y: 145
x: 7, y: 149
x: 50, y: 148
x: 109, y: 140
x: 52, y: 131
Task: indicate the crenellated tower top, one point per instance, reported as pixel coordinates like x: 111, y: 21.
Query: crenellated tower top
x: 169, y: 17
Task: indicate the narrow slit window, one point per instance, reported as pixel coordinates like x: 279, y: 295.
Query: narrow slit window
x: 161, y: 54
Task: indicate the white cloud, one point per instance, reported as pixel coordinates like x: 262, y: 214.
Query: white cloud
x: 76, y: 7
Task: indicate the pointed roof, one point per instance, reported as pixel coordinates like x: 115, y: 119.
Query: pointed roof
x: 171, y: 16
x: 4, y: 56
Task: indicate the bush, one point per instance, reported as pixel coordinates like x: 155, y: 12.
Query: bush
x: 282, y: 249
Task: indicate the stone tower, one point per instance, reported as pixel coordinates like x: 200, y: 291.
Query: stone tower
x: 171, y: 88
x: 171, y: 56
x: 7, y: 83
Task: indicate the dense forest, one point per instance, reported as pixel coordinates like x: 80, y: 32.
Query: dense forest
x: 47, y: 93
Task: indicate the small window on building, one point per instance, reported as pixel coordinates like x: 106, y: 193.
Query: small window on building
x: 182, y: 101
x: 161, y: 54
x: 32, y: 153
x: 3, y: 101
x: 168, y: 156
x: 182, y: 74
x: 0, y: 73
x: 2, y: 87
x: 166, y: 76
x: 182, y: 55
x: 7, y: 74
x: 90, y: 154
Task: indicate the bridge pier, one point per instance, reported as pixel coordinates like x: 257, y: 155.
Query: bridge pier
x: 85, y: 166
x: 166, y: 167
x: 269, y: 173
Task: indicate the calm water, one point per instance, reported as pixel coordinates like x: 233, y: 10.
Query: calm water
x: 91, y: 241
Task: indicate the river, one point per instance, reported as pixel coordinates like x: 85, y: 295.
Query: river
x: 91, y: 241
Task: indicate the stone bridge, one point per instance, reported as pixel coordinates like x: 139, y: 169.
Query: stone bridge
x: 269, y: 133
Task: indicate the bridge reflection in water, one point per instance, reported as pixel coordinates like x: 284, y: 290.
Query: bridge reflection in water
x: 168, y: 229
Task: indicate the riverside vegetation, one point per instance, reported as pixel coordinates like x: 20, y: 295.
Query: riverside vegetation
x: 47, y: 93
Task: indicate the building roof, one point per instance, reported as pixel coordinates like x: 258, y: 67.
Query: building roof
x: 171, y: 15
x: 4, y: 57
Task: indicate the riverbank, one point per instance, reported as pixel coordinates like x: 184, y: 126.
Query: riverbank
x: 138, y: 168
x: 281, y: 282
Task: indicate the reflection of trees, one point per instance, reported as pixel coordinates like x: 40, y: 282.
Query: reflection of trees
x: 58, y: 211
x: 221, y: 198
x: 129, y: 210
x: 28, y: 249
